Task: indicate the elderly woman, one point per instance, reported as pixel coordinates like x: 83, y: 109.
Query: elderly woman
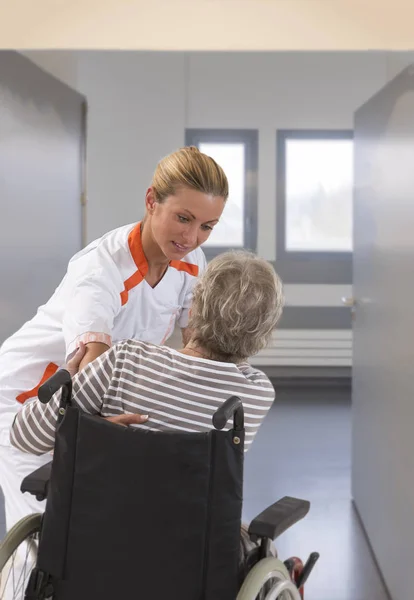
x: 236, y: 305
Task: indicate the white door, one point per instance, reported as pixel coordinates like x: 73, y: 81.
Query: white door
x: 383, y: 362
x: 41, y: 173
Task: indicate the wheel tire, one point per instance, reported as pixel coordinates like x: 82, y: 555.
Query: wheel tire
x: 23, y: 530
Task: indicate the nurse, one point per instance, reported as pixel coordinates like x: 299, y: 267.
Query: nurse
x: 134, y: 282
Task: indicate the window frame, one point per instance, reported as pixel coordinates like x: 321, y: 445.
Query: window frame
x: 250, y: 139
x: 331, y: 267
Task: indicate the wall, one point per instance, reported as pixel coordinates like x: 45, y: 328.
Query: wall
x: 279, y: 90
x: 208, y: 24
x: 136, y: 114
x: 62, y: 64
x: 140, y: 104
x: 397, y: 61
x: 268, y: 91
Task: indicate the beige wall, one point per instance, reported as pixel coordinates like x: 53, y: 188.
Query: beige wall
x: 208, y: 24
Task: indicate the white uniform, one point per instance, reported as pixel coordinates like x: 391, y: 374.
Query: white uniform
x: 104, y: 298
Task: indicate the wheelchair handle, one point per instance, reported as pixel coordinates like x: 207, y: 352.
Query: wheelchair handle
x: 232, y: 407
x: 61, y: 379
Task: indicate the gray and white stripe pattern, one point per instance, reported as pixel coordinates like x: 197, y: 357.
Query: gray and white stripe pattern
x: 177, y: 391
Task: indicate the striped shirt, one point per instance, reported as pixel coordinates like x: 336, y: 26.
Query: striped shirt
x: 177, y: 391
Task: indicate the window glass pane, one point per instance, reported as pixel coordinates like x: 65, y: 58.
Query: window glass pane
x: 319, y: 184
x: 230, y: 229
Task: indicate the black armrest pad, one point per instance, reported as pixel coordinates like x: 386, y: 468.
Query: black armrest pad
x: 278, y: 517
x: 36, y: 483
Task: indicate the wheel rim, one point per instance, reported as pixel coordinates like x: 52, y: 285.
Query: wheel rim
x: 16, y: 572
x: 18, y: 554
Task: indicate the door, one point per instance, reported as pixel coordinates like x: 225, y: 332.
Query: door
x: 42, y: 142
x: 383, y: 383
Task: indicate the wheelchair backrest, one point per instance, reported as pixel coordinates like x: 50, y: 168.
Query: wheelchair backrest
x: 137, y: 514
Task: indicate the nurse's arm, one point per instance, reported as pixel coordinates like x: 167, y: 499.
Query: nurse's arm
x: 92, y: 351
x: 34, y: 426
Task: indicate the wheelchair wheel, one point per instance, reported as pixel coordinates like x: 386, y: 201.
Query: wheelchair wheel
x: 269, y: 573
x: 18, y: 553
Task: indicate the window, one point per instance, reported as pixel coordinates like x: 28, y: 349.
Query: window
x: 236, y: 152
x: 314, y: 206
x: 318, y: 195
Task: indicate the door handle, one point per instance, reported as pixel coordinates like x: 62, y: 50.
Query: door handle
x: 348, y: 301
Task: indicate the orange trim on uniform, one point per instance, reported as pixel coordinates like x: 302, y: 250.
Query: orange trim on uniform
x: 180, y: 265
x: 130, y: 283
x: 49, y: 371
x: 137, y: 252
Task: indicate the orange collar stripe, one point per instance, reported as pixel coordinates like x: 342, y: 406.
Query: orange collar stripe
x: 130, y: 283
x: 183, y: 266
x: 137, y: 252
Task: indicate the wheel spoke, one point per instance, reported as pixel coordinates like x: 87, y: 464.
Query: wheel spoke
x: 18, y: 555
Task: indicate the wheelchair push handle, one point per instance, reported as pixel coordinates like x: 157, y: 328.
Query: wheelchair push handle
x: 61, y: 379
x: 232, y: 407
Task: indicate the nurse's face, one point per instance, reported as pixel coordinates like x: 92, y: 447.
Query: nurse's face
x: 183, y: 221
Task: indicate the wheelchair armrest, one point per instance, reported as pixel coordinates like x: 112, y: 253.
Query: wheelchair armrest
x: 37, y: 482
x: 278, y: 517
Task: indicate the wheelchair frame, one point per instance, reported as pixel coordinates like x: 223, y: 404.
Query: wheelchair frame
x: 266, y: 577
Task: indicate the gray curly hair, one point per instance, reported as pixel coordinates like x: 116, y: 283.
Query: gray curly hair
x: 237, y: 303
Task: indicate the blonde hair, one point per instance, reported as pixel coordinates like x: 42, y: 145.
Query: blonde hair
x: 189, y: 168
x: 237, y: 303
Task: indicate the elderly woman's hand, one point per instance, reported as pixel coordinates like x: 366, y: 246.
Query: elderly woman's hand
x: 128, y: 419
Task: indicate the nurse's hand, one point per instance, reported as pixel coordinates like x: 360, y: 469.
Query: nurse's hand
x: 92, y: 351
x: 127, y: 419
x: 73, y: 364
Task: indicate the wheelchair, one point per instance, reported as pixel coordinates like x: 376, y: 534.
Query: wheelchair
x: 139, y: 514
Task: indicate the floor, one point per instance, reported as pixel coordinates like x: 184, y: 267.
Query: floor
x: 303, y: 450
